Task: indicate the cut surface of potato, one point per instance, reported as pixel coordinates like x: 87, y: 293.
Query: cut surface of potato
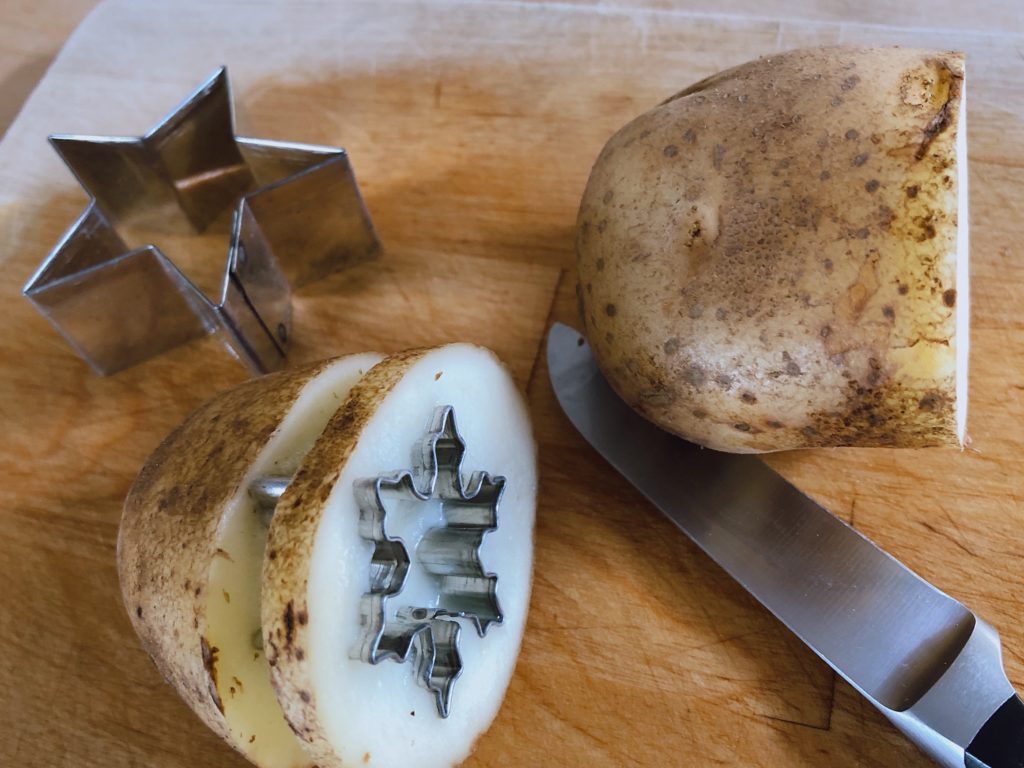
x: 319, y: 563
x: 190, y: 551
x: 777, y: 256
x: 240, y: 670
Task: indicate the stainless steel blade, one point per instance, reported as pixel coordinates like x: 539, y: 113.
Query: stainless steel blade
x: 921, y: 657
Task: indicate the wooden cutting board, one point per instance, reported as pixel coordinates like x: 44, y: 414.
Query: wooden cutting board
x: 472, y: 127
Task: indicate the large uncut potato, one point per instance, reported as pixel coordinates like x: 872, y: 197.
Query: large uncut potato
x: 271, y: 614
x: 776, y: 257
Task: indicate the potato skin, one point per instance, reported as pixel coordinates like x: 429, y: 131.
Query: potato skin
x: 167, y: 537
x: 767, y: 259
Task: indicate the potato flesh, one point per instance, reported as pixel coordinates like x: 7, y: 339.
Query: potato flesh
x: 379, y: 710
x: 241, y: 671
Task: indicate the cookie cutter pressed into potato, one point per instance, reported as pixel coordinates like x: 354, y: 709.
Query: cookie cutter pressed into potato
x: 449, y: 554
x: 298, y: 216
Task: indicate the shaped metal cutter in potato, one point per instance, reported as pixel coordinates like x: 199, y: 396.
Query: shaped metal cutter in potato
x: 300, y: 531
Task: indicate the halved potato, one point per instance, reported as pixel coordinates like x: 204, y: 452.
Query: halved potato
x: 776, y: 257
x: 404, y: 535
x: 190, y: 548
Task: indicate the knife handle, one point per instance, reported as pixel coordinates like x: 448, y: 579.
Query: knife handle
x: 1000, y: 742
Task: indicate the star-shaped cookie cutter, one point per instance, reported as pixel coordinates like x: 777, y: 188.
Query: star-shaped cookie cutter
x: 298, y: 216
x: 449, y: 555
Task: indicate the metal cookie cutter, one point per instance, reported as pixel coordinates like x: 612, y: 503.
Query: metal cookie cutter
x: 298, y: 216
x: 449, y: 556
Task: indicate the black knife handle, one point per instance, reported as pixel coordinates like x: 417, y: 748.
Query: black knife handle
x: 1000, y: 742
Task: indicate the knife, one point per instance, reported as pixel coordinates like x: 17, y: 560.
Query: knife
x: 928, y: 663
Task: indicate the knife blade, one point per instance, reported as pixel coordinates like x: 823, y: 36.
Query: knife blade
x: 929, y: 664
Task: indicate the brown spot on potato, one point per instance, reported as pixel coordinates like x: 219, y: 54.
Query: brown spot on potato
x: 610, y: 310
x: 825, y: 331
x: 608, y: 196
x: 941, y: 121
x: 138, y: 611
x: 949, y: 297
x: 690, y: 135
x: 889, y: 312
x: 670, y: 151
x: 289, y: 623
x: 693, y: 375
x: 300, y: 654
x: 209, y: 656
x: 860, y: 159
x: 303, y: 618
x: 852, y: 134
x: 742, y: 427
x: 671, y: 346
x: 849, y: 82
x: 912, y: 191
x: 903, y: 289
x: 438, y: 375
x: 699, y: 414
x: 272, y: 554
x: 599, y: 264
x: 306, y: 697
x: 872, y: 186
x: 749, y: 398
x: 824, y: 175
x: 773, y: 424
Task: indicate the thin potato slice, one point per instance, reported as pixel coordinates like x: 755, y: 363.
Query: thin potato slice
x: 318, y: 564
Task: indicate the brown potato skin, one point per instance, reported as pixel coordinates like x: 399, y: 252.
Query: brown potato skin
x: 764, y: 258
x: 166, y: 540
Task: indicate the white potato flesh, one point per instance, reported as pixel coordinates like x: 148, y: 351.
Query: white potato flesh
x: 963, y: 293
x: 379, y: 714
x: 242, y: 673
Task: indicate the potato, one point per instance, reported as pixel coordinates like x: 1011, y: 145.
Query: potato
x: 248, y: 558
x: 776, y: 257
x: 347, y: 711
x: 190, y: 548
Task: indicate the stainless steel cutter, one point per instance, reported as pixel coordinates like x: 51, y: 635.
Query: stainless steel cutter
x: 297, y: 216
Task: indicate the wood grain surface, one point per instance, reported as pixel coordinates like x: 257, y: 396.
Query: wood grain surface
x: 472, y: 127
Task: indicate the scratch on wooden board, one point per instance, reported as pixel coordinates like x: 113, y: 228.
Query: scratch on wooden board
x: 814, y: 726
x: 547, y: 324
